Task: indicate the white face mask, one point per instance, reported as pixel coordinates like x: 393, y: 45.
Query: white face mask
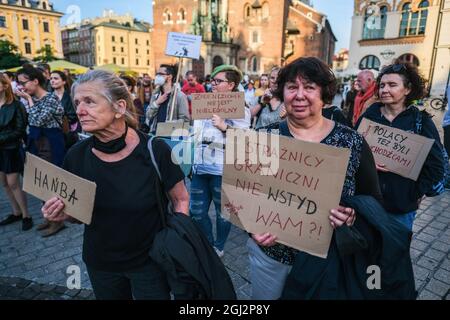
x: 160, y: 80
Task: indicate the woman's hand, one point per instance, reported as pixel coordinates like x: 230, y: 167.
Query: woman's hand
x: 22, y: 94
x: 264, y: 239
x: 283, y: 112
x: 342, y: 215
x: 219, y: 123
x: 53, y: 210
x: 381, y: 167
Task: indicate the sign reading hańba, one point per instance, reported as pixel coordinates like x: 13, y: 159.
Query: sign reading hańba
x: 45, y: 181
x: 402, y: 152
x: 183, y: 45
x: 283, y: 186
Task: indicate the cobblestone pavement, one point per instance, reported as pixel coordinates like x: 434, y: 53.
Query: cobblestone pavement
x: 32, y: 267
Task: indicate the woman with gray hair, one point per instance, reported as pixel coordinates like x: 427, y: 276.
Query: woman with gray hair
x: 125, y: 216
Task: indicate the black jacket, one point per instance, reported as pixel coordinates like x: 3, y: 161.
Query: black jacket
x: 375, y: 240
x: 13, y: 124
x: 194, y: 270
x: 401, y: 194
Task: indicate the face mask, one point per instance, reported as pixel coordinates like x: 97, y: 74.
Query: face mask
x: 159, y: 80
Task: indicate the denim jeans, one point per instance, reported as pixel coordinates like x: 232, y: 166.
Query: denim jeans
x: 406, y: 219
x: 145, y: 283
x: 204, y: 189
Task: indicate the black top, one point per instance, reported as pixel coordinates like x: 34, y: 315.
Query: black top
x: 69, y: 110
x: 125, y: 217
x: 401, y: 194
x: 163, y: 109
x: 13, y: 124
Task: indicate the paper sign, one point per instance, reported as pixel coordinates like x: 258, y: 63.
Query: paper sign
x: 294, y: 202
x: 229, y: 105
x: 183, y: 45
x: 402, y: 152
x: 172, y: 128
x: 45, y: 181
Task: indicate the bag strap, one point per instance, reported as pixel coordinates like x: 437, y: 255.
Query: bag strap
x: 159, y: 190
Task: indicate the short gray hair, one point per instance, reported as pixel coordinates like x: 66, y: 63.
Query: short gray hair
x: 114, y: 89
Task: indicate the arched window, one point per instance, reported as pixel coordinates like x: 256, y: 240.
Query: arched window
x: 265, y: 10
x: 247, y: 11
x: 167, y: 15
x: 217, y: 61
x: 182, y: 14
x: 414, y: 23
x: 409, y: 58
x: 253, y: 65
x: 44, y: 5
x: 375, y: 22
x: 369, y: 62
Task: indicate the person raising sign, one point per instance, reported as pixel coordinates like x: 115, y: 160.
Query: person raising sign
x: 398, y: 86
x: 125, y: 218
x: 305, y: 86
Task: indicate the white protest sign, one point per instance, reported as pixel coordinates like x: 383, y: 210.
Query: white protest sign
x: 183, y: 45
x: 45, y: 181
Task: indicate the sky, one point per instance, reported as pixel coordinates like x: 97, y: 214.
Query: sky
x: 339, y: 12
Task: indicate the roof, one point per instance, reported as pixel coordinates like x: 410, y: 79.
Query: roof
x: 138, y: 26
x: 34, y: 4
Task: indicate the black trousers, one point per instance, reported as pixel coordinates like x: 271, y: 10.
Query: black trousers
x: 145, y: 283
x: 447, y: 139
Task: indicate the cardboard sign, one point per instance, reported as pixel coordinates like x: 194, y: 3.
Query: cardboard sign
x: 45, y: 181
x: 172, y: 128
x: 183, y: 45
x: 229, y: 105
x: 294, y: 202
x: 402, y: 152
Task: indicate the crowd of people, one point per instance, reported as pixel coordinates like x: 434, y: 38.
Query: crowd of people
x: 42, y: 112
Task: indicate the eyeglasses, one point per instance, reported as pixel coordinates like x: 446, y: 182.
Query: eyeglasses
x: 218, y: 81
x: 162, y: 74
x: 23, y: 83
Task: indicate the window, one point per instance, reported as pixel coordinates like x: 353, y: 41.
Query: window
x: 121, y: 49
x: 369, y: 62
x: 414, y: 23
x: 409, y: 58
x: 255, y: 37
x: 46, y: 27
x: 167, y: 16
x: 27, y: 48
x: 137, y: 62
x: 123, y: 60
x: 113, y: 39
x: 121, y: 39
x: 254, y: 67
x: 375, y: 22
x: 114, y: 49
x: 136, y: 41
x: 137, y: 51
x: 247, y: 11
x: 148, y: 51
x: 25, y: 24
x: 265, y: 10
x: 44, y: 5
x: 148, y: 42
x: 2, y: 22
x: 114, y: 60
x: 182, y: 15
x: 148, y: 62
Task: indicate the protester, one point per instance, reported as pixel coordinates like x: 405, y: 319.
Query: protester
x: 366, y: 94
x: 207, y: 84
x: 270, y: 109
x: 191, y: 86
x: 125, y: 217
x: 263, y: 85
x: 349, y: 103
x: 46, y: 71
x: 305, y: 86
x: 162, y: 97
x: 397, y: 86
x: 209, y: 158
x: 61, y: 88
x: 45, y: 118
x: 334, y: 113
x: 13, y: 125
x: 139, y: 107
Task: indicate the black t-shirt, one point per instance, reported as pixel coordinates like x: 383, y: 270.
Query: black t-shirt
x: 125, y: 217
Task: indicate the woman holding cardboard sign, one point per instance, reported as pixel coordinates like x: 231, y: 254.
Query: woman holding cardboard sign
x: 125, y: 218
x: 398, y: 85
x: 306, y: 86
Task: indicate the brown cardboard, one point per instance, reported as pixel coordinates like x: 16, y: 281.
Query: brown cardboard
x: 45, y: 181
x: 306, y: 186
x: 227, y: 105
x: 169, y: 128
x: 402, y: 152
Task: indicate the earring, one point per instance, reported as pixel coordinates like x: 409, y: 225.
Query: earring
x: 118, y: 116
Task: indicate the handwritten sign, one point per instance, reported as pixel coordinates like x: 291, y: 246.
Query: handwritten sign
x: 229, y: 105
x: 402, y: 152
x: 183, y: 45
x: 292, y: 203
x: 45, y: 181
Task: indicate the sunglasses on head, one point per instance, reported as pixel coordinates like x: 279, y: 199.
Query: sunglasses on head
x: 394, y: 68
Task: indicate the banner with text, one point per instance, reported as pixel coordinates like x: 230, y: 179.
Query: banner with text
x: 45, y: 181
x: 229, y: 105
x: 183, y: 45
x: 402, y: 152
x: 292, y: 202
